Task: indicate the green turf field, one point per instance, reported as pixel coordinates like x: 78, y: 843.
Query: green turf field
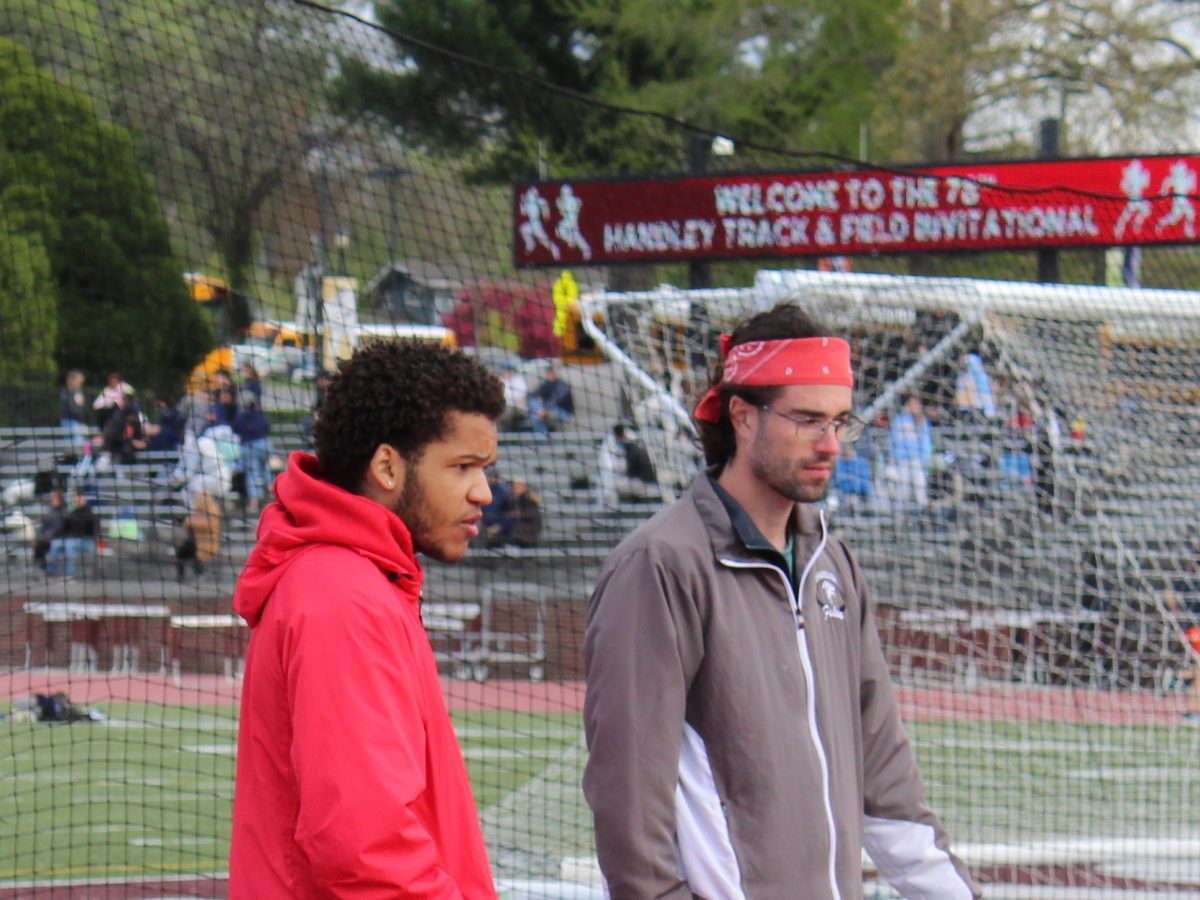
x: 1019, y: 781
x: 148, y: 792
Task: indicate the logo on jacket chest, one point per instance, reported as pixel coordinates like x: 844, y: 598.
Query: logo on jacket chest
x: 829, y: 594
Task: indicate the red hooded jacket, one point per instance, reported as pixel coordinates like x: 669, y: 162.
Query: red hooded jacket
x: 350, y: 782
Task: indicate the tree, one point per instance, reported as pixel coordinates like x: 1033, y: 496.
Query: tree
x: 798, y: 77
x: 236, y: 109
x: 66, y: 38
x: 225, y: 98
x: 977, y: 75
x: 28, y: 321
x: 74, y: 191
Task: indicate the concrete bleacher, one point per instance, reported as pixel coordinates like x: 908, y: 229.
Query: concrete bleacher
x: 579, y: 533
x: 149, y: 506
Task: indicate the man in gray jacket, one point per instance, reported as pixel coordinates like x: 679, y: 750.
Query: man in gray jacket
x: 744, y: 734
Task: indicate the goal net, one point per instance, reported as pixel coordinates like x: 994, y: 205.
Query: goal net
x: 1039, y: 574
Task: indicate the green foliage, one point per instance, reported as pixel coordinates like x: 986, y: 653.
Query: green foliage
x: 61, y: 37
x: 974, y: 76
x: 224, y: 98
x: 27, y: 307
x: 73, y: 187
x: 236, y: 108
x: 439, y: 101
x: 799, y: 77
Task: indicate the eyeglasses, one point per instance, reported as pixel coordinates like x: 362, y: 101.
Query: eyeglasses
x: 847, y: 429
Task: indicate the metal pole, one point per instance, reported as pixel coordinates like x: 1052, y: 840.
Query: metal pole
x: 699, y: 145
x: 1047, y: 260
x: 391, y: 175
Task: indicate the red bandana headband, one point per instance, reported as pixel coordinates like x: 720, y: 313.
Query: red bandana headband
x: 819, y: 360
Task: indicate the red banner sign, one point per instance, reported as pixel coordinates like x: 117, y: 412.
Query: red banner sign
x: 981, y: 206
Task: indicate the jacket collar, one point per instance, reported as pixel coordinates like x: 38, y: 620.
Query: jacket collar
x: 732, y: 531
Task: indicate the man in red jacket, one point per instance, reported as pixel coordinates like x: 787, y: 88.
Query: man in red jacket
x: 350, y: 782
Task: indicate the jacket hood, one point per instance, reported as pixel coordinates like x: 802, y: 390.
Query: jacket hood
x: 309, y: 511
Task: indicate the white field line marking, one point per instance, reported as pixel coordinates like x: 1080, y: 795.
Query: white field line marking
x: 475, y: 732
x: 213, y: 749
x: 1134, y: 773
x: 485, y: 753
x: 1035, y: 746
x: 174, y: 842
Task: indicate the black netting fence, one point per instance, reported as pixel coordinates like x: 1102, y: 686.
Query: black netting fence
x: 202, y: 203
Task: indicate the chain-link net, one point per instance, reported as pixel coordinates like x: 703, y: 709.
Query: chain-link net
x: 204, y: 205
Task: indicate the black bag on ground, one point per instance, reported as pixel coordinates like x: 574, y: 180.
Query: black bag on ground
x: 57, y: 708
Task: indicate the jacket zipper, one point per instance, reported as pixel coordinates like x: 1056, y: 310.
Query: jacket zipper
x: 810, y: 690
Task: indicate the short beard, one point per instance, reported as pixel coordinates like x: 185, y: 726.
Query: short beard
x: 767, y: 469
x: 410, y: 507
x: 787, y: 487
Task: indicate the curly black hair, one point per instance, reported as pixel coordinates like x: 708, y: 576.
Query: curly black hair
x: 397, y: 393
x: 784, y: 321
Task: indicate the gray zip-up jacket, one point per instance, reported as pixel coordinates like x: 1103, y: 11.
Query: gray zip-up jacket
x: 741, y: 744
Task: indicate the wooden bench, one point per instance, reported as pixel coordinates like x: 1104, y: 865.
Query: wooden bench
x: 472, y: 638
x: 231, y: 631
x: 93, y: 628
x: 453, y: 630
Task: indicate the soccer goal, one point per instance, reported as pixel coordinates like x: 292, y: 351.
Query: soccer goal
x: 1035, y: 571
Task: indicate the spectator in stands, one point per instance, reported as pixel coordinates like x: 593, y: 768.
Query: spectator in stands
x: 251, y: 383
x: 1099, y: 588
x: 194, y: 407
x: 1183, y: 601
x: 516, y: 400
x: 166, y: 435
x: 551, y: 405
x: 526, y: 514
x: 1047, y: 437
x: 1100, y: 593
x: 80, y: 532
x: 973, y: 394
x: 310, y: 421
x: 223, y: 402
x: 200, y: 538
x: 1016, y: 465
x: 253, y: 429
x: 910, y: 452
x: 712, y: 749
x: 49, y: 527
x: 1016, y: 461
x: 853, y: 483
x: 497, y: 513
x: 206, y: 463
x: 115, y: 389
x: 639, y: 466
x: 125, y: 429
x: 223, y: 409
x: 946, y: 492
x: 72, y: 409
x: 1192, y: 634
x: 624, y: 468
x: 930, y: 327
x: 349, y: 777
